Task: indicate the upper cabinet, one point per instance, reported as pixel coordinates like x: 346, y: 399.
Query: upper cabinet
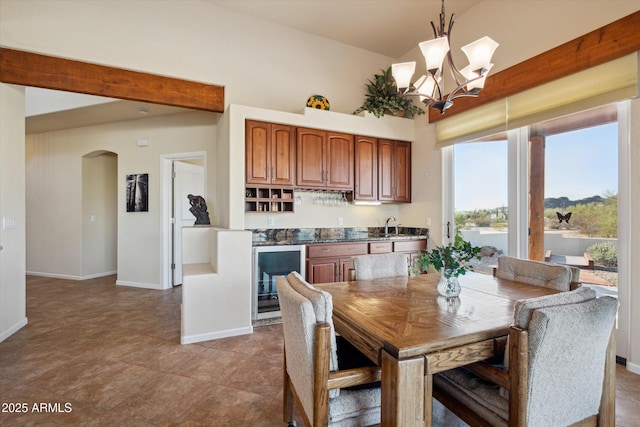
x: 366, y: 169
x: 270, y: 153
x: 282, y: 157
x: 394, y: 171
x: 325, y: 160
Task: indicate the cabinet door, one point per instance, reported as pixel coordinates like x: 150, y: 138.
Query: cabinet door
x: 311, y: 155
x: 402, y: 172
x: 323, y: 270
x: 345, y: 265
x: 394, y: 171
x: 283, y: 158
x: 257, y: 152
x: 385, y: 170
x: 366, y: 169
x: 339, y: 161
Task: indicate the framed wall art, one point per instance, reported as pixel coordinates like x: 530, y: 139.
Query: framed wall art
x: 138, y: 192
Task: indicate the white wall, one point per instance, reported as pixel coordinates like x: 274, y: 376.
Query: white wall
x: 55, y: 187
x: 216, y: 298
x: 12, y: 206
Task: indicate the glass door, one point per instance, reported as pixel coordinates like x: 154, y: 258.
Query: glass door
x: 480, y: 189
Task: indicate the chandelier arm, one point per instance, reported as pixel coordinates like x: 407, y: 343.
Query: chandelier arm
x: 463, y: 92
x: 438, y: 86
x: 451, y: 22
x: 458, y: 77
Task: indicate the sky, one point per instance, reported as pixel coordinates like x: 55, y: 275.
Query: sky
x: 578, y: 164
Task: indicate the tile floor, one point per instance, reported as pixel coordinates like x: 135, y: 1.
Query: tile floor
x: 96, y: 354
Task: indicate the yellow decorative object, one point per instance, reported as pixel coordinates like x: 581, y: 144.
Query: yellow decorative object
x: 319, y: 102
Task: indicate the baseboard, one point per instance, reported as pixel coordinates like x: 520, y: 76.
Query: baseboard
x: 70, y: 277
x: 632, y: 367
x: 191, y: 339
x: 97, y: 275
x: 155, y: 286
x: 12, y: 330
x: 53, y: 275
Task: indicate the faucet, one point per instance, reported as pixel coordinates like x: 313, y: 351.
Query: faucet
x: 386, y: 225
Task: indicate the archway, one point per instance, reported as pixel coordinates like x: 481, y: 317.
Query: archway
x: 99, y: 214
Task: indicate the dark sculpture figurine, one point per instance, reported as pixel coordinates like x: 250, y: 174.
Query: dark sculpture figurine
x: 199, y: 209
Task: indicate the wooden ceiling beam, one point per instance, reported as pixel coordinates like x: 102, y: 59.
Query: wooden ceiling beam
x: 605, y: 44
x: 31, y: 69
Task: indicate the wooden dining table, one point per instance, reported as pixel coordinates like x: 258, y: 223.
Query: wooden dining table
x: 404, y: 326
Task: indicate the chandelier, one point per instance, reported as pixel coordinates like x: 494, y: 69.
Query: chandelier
x: 430, y: 87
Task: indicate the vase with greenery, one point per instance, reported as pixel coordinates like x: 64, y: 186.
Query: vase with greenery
x: 382, y: 97
x: 452, y: 261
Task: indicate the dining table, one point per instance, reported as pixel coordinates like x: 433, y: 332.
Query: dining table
x: 410, y: 331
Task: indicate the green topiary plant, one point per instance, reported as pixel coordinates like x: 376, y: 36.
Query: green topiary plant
x: 382, y: 97
x: 452, y: 259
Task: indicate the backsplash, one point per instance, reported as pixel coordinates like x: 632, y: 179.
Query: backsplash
x: 316, y: 235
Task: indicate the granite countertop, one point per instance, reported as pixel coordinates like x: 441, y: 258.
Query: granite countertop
x: 300, y: 236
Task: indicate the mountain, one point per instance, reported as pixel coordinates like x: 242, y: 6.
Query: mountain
x: 563, y: 202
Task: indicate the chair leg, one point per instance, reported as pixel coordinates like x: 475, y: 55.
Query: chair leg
x: 287, y: 404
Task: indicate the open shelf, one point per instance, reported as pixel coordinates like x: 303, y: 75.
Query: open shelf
x: 268, y: 199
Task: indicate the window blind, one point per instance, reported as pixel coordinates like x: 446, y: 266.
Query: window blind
x: 609, y: 82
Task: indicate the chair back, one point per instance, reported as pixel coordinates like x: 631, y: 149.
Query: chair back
x: 567, y: 348
x: 379, y: 266
x: 298, y: 323
x: 323, y: 309
x: 538, y: 273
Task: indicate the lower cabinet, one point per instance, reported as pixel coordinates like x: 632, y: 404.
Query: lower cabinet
x: 330, y: 262
x: 326, y: 270
x: 414, y: 248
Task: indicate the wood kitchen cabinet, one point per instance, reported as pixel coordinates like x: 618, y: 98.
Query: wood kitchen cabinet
x: 270, y: 153
x: 325, y: 160
x: 394, y: 171
x: 414, y: 248
x: 366, y: 169
x: 330, y: 262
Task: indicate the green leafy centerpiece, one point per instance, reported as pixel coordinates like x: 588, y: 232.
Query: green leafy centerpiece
x: 382, y: 97
x: 452, y: 260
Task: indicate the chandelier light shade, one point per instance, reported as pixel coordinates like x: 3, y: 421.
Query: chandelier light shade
x: 430, y: 88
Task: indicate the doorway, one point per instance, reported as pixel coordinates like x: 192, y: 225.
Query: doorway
x: 182, y: 174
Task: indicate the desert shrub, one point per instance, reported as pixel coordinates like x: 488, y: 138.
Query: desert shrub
x: 604, y: 253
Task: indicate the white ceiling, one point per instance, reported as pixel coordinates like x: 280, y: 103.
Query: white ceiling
x: 389, y: 27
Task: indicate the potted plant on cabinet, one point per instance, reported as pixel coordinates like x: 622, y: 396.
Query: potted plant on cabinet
x: 452, y: 261
x: 382, y: 97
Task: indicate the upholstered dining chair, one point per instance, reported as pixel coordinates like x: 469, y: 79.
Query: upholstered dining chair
x: 560, y: 370
x: 324, y: 394
x: 554, y: 276
x: 378, y: 266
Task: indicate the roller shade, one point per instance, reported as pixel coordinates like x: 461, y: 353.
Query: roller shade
x: 610, y: 82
